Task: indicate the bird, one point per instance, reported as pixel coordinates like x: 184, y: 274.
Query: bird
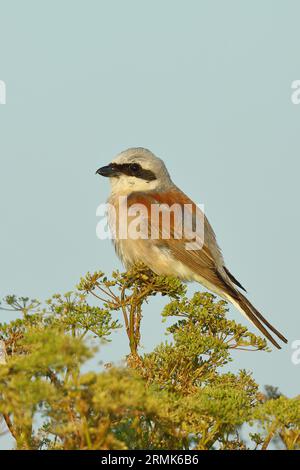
x: 141, y: 179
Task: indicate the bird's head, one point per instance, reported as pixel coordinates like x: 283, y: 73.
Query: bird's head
x: 136, y: 169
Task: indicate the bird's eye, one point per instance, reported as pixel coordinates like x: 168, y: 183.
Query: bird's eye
x: 135, y: 167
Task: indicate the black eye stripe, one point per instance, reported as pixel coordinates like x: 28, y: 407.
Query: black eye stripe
x: 134, y: 169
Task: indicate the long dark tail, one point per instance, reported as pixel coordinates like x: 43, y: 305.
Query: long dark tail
x: 257, y: 319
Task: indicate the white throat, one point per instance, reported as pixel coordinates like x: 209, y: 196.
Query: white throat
x: 128, y: 184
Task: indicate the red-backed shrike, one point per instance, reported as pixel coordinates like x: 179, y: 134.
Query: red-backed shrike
x: 140, y: 178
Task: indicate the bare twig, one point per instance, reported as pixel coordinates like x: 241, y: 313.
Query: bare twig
x: 3, y: 354
x: 269, y: 436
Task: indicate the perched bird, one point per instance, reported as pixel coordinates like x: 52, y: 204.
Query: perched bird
x: 141, y: 178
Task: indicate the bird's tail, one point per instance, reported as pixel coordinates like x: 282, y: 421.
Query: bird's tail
x: 256, y: 318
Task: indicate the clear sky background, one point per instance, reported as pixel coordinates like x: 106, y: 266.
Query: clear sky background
x: 206, y: 85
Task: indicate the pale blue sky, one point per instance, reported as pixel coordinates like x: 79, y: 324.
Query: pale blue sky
x: 205, y: 85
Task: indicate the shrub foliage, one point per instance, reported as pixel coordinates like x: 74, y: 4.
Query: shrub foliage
x: 176, y: 397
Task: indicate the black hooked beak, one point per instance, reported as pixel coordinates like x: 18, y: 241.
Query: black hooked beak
x: 108, y: 170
